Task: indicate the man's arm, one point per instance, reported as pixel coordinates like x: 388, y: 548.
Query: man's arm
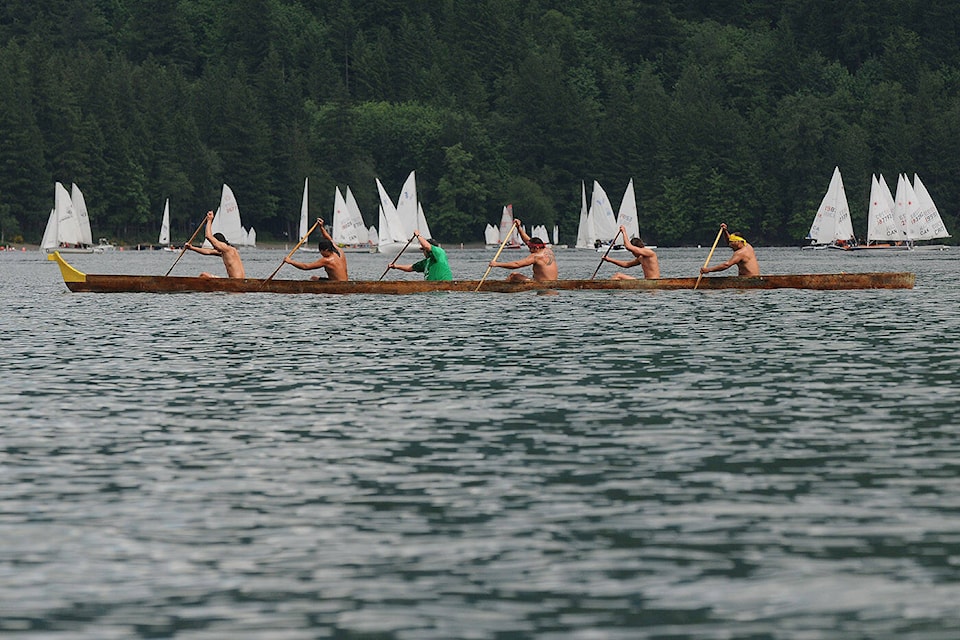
x: 523, y: 234
x: 622, y: 263
x: 515, y: 264
x: 203, y: 250
x: 734, y: 259
x: 307, y: 266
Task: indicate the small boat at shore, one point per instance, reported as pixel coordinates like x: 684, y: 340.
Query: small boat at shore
x: 78, y: 281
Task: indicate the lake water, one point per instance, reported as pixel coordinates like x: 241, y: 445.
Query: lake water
x: 725, y: 464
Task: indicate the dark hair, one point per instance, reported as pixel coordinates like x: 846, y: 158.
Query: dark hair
x: 222, y: 238
x: 536, y: 243
x: 433, y: 242
x: 637, y: 241
x: 325, y: 245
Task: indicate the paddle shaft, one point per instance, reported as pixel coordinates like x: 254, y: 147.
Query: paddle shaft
x: 302, y: 240
x: 398, y: 257
x: 612, y: 242
x: 502, y: 245
x: 709, y: 255
x: 184, y: 250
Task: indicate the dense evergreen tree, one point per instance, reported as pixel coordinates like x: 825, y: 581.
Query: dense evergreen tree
x: 734, y: 112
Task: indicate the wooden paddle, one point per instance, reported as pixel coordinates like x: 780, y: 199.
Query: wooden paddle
x: 502, y: 245
x: 184, y: 250
x: 710, y: 255
x: 398, y: 257
x: 283, y: 262
x: 612, y: 242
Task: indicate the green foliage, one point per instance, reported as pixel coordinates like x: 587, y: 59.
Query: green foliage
x: 733, y: 112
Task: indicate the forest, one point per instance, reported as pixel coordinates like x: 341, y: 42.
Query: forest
x: 720, y: 112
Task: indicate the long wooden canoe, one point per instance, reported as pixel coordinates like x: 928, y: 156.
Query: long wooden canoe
x: 79, y: 281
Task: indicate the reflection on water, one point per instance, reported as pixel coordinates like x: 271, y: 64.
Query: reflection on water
x: 590, y: 464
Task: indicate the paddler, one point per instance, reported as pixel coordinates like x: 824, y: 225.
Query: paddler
x: 541, y: 258
x: 642, y: 255
x: 332, y: 260
x: 743, y: 256
x: 434, y: 265
x: 222, y: 248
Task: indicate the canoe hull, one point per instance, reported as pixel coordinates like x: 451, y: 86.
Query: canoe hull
x: 160, y: 284
x: 79, y: 282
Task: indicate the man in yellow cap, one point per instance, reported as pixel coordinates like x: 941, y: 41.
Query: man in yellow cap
x: 743, y: 256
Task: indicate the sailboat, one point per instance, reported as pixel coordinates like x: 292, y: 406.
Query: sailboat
x: 80, y: 206
x: 886, y: 229
x: 349, y: 231
x: 491, y: 236
x: 392, y: 235
x: 584, y: 232
x: 398, y: 222
x: 164, y: 239
x: 304, y: 219
x: 627, y: 218
x: 227, y: 220
x: 507, y: 231
x: 927, y: 225
x: 64, y: 231
x: 832, y: 228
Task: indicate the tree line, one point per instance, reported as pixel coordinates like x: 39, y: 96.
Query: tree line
x: 719, y: 114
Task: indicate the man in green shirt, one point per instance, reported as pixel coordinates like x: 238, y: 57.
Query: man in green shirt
x: 434, y: 265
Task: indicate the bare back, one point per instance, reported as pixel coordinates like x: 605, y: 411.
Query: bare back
x: 232, y: 262
x: 336, y: 266
x: 746, y: 261
x: 545, y: 265
x: 648, y: 262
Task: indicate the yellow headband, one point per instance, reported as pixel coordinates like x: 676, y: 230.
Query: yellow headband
x: 735, y: 238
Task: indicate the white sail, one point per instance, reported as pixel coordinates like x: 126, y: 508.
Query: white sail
x: 372, y: 236
x: 601, y: 215
x: 930, y: 224
x: 251, y: 237
x: 507, y: 229
x: 422, y: 225
x: 585, y: 237
x: 627, y: 216
x: 353, y: 210
x: 491, y: 235
x: 391, y: 229
x: 882, y: 222
x: 227, y: 219
x: 832, y: 221
x: 68, y: 225
x: 304, y: 210
x: 83, y: 219
x: 556, y: 234
x: 348, y: 227
x: 49, y: 241
x: 164, y: 238
x: 908, y: 207
x: 407, y: 205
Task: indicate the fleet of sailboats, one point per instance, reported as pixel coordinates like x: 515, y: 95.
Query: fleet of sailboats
x: 910, y: 220
x: 898, y: 223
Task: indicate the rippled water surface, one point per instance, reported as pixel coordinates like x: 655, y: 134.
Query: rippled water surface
x: 725, y: 464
